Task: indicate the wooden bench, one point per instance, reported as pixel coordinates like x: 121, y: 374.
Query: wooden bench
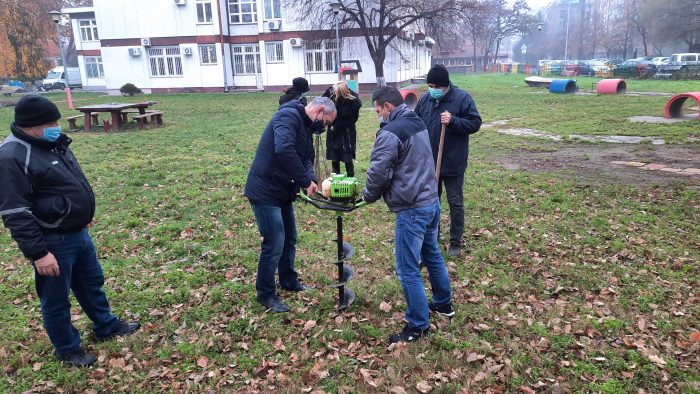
x: 155, y: 116
x: 71, y: 122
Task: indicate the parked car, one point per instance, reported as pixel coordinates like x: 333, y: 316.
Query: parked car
x: 680, y: 65
x: 660, y: 60
x: 635, y: 68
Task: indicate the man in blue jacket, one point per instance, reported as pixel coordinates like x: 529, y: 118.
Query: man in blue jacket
x: 47, y: 204
x: 446, y: 104
x: 283, y: 165
x: 402, y: 171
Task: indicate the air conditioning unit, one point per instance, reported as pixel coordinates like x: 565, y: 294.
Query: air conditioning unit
x: 180, y: 2
x: 134, y: 52
x: 146, y: 42
x: 273, y: 25
x: 296, y: 42
x: 187, y: 51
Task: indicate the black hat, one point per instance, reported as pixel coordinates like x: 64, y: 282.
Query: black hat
x: 300, y: 84
x: 439, y: 76
x: 35, y: 111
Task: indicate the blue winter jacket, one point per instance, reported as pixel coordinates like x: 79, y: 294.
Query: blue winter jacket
x: 283, y: 160
x: 465, y: 121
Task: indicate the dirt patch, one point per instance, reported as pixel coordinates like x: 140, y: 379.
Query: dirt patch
x: 594, y: 163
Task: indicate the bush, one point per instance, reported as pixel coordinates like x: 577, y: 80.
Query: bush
x: 129, y: 89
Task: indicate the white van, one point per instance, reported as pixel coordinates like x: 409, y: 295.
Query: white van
x: 56, y: 78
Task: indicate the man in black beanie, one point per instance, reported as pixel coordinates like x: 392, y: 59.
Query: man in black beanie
x: 448, y: 105
x: 47, y: 204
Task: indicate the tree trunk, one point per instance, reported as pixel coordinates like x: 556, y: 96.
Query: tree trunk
x: 495, y: 53
x: 378, y: 60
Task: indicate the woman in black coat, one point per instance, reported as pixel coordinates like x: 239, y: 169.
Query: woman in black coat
x: 296, y: 91
x: 341, y: 135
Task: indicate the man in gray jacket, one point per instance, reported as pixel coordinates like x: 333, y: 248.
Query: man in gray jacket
x: 402, y: 171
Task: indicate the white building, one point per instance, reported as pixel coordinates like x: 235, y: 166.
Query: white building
x: 221, y: 45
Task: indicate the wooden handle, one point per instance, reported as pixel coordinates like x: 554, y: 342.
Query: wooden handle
x: 439, y: 158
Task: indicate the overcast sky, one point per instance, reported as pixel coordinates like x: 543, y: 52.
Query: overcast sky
x: 536, y: 5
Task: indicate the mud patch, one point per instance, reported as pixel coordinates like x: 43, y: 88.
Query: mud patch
x: 594, y: 163
x: 615, y: 139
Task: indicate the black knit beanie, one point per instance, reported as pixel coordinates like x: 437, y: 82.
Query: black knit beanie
x: 34, y: 111
x: 439, y: 76
x: 300, y: 84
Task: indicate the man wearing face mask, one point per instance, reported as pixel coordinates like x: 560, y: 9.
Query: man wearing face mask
x: 47, y: 204
x: 402, y: 171
x: 283, y: 165
x: 448, y: 105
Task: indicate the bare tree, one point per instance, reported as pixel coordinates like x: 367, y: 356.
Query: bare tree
x: 508, y: 21
x: 476, y: 28
x: 379, y: 21
x: 676, y: 20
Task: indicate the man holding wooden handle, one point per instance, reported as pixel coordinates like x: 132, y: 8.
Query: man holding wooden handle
x: 448, y: 106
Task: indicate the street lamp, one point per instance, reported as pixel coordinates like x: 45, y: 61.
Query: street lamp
x: 566, y: 42
x: 335, y: 6
x: 539, y: 43
x: 56, y: 17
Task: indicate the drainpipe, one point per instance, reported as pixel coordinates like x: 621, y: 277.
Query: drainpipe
x: 221, y: 41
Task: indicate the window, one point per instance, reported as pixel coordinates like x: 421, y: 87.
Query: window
x: 243, y: 11
x: 207, y: 54
x: 204, y: 11
x: 246, y: 59
x: 273, y: 9
x: 88, y: 30
x: 274, y: 52
x: 165, y: 61
x: 93, y: 67
x: 321, y: 56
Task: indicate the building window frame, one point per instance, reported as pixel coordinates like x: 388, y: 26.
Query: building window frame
x: 246, y: 59
x: 205, y: 15
x: 272, y: 9
x: 165, y: 62
x: 88, y: 30
x: 274, y: 52
x: 320, y: 56
x: 93, y: 67
x: 242, y: 11
x: 207, y: 55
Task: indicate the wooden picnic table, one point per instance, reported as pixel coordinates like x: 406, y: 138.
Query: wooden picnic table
x: 116, y: 110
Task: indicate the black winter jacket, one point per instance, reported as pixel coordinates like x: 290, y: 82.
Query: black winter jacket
x: 292, y: 94
x: 43, y: 190
x: 283, y: 160
x: 465, y: 121
x: 341, y: 138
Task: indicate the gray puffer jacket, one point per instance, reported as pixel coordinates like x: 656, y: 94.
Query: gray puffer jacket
x: 401, y: 164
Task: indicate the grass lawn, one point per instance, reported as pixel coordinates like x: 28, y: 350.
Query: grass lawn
x: 571, y: 282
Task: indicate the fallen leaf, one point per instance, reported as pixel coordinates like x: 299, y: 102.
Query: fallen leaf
x: 480, y: 376
x: 203, y: 361
x: 695, y: 336
x: 397, y: 390
x: 642, y: 324
x: 367, y: 377
x: 657, y: 360
x: 385, y: 307
x: 309, y: 325
x: 36, y: 366
x: 424, y: 387
x: 227, y: 234
x: 527, y: 390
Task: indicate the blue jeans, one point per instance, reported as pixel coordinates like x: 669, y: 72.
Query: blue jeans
x: 80, y: 272
x: 278, y: 249
x: 416, y: 240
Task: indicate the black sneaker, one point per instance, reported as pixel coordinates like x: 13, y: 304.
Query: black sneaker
x: 409, y: 334
x: 77, y: 358
x: 444, y: 310
x: 275, y: 304
x: 454, y: 250
x: 125, y: 328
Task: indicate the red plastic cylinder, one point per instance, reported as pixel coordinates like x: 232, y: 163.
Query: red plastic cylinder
x: 674, y: 106
x: 410, y: 97
x: 611, y: 86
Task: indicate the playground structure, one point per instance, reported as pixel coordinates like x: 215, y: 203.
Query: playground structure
x: 410, y: 97
x: 563, y: 86
x: 674, y: 106
x: 612, y: 86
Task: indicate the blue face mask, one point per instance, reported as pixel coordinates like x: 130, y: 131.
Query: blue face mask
x: 435, y: 93
x: 51, y: 134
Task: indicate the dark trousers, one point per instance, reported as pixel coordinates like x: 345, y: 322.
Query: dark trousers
x: 349, y: 167
x: 82, y: 273
x: 454, y: 186
x: 279, y: 231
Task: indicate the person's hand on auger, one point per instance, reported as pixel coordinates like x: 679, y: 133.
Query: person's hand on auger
x: 312, y: 189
